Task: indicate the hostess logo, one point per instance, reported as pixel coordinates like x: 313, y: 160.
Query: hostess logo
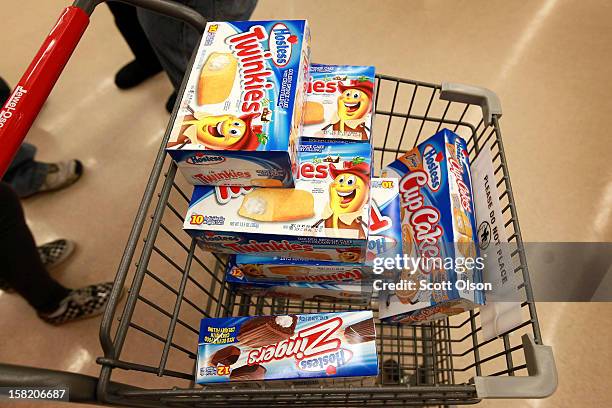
x: 432, y: 160
x: 280, y: 44
x: 205, y: 159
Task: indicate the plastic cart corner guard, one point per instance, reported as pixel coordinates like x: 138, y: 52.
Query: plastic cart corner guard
x: 541, y: 382
x: 485, y: 98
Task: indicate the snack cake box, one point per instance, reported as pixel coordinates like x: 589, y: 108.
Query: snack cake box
x: 339, y: 102
x: 384, y: 240
x: 240, y: 118
x: 274, y: 268
x: 438, y: 221
x: 385, y: 232
x: 303, y: 346
x: 346, y: 290
x: 337, y: 292
x: 324, y: 217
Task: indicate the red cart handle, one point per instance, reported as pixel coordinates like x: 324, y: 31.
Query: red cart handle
x: 22, y: 107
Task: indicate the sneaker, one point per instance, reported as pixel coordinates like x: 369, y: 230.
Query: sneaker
x: 135, y: 73
x: 62, y: 174
x: 80, y: 304
x: 55, y: 252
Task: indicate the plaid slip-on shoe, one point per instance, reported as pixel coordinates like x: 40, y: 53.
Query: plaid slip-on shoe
x: 80, y: 304
x: 55, y: 252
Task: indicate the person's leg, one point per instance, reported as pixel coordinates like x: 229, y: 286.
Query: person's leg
x: 174, y: 41
x: 28, y: 176
x: 23, y: 271
x: 22, y: 268
x: 145, y: 63
x: 25, y: 174
x: 5, y: 91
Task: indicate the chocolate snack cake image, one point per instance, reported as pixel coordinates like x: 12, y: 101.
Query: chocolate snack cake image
x: 225, y: 356
x: 360, y: 332
x: 248, y: 373
x: 265, y: 330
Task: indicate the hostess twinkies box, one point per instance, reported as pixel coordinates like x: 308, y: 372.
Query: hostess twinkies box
x: 288, y: 347
x: 240, y: 117
x: 439, y: 233
x: 325, y: 217
x: 385, y: 239
x: 337, y: 292
x: 339, y: 102
x: 266, y: 269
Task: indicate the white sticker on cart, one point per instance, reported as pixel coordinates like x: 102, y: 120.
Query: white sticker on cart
x: 502, y: 312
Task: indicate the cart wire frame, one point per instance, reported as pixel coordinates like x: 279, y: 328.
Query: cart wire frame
x: 441, y: 363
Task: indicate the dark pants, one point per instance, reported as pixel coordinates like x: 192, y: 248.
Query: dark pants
x: 126, y: 20
x: 25, y: 174
x: 20, y: 264
x: 174, y: 41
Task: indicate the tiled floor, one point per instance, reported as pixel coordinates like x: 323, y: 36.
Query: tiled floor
x: 547, y: 59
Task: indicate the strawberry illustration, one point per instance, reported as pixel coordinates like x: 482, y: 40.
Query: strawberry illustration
x: 330, y: 370
x: 292, y: 39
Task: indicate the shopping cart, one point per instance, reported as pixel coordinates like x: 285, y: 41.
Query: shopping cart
x: 172, y: 284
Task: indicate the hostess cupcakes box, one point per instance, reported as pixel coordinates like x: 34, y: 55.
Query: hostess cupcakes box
x: 339, y: 103
x: 325, y: 217
x: 287, y: 347
x: 438, y: 224
x: 240, y: 117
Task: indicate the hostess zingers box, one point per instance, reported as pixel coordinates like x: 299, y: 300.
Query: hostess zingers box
x: 439, y: 234
x: 325, y: 217
x: 241, y: 114
x: 287, y: 347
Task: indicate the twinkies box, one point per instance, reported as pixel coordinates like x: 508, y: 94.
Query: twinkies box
x: 336, y: 292
x: 240, y: 117
x: 325, y: 217
x: 339, y: 103
x: 439, y: 233
x: 303, y: 346
x: 271, y: 269
x: 384, y: 240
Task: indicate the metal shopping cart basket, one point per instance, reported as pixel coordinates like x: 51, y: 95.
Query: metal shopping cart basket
x: 172, y: 284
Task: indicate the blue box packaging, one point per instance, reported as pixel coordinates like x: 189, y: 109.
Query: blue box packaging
x: 385, y: 239
x: 325, y: 217
x: 339, y: 103
x: 345, y: 291
x: 266, y: 269
x: 303, y: 346
x: 240, y: 119
x: 439, y: 231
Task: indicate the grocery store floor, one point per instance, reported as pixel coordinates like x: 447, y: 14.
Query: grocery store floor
x: 547, y: 59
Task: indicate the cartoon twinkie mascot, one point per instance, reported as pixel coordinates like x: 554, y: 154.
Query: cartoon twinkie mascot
x: 354, y: 104
x: 348, y: 193
x: 221, y: 132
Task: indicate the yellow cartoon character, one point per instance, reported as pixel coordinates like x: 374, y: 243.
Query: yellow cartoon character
x: 354, y: 104
x: 348, y: 194
x: 220, y: 132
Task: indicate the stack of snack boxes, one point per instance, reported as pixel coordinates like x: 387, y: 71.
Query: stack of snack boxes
x: 280, y: 154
